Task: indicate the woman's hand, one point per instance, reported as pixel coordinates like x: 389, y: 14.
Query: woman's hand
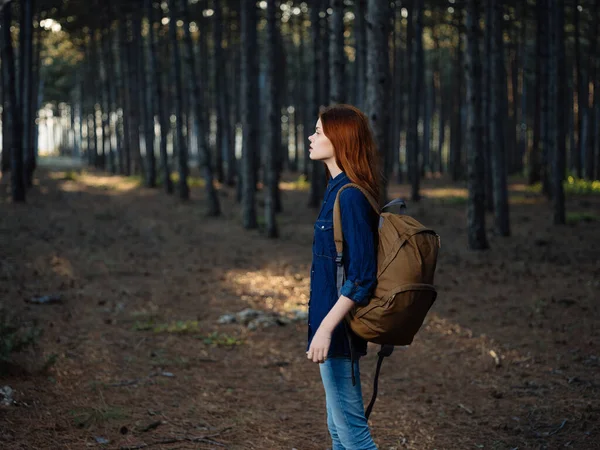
x: 319, y: 347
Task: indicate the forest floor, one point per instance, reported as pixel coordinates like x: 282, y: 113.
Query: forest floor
x: 132, y: 355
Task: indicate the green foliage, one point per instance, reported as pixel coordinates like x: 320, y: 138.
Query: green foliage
x: 453, y: 200
x: 222, y: 340
x: 301, y: 184
x: 70, y: 175
x: 192, y: 180
x: 60, y: 64
x: 580, y: 186
x: 179, y: 326
x: 188, y: 326
x: 15, y: 336
x: 573, y: 185
x: 573, y: 218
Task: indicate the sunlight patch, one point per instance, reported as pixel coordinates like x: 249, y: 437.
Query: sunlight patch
x: 282, y: 293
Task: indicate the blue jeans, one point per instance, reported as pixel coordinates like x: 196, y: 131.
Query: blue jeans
x: 345, y: 410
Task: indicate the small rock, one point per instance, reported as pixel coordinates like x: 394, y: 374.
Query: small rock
x: 248, y: 314
x: 226, y: 318
x: 299, y: 315
x: 282, y: 320
x: 262, y: 322
x: 6, y: 396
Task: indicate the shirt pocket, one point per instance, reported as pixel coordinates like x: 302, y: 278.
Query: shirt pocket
x: 324, y: 245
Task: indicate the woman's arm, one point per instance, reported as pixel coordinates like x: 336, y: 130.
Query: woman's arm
x: 361, y: 252
x: 322, y: 338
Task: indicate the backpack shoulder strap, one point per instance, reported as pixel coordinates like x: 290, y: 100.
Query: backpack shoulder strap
x: 338, y: 235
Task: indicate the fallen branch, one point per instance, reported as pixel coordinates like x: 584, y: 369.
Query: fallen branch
x: 469, y: 411
x: 562, y: 425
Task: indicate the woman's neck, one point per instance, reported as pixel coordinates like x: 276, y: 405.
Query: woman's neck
x: 334, y: 170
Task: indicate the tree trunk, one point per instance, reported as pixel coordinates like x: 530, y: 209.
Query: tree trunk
x: 360, y: 12
x: 557, y: 71
x: 474, y: 146
x: 378, y: 80
x: 534, y: 159
x: 157, y: 92
x: 522, y: 139
x: 416, y: 83
x: 496, y: 130
x: 577, y: 167
x: 439, y: 93
x: 546, y: 130
x: 455, y: 163
x: 115, y: 90
x: 135, y: 95
x: 107, y: 150
x: 249, y: 74
x: 592, y: 110
x: 225, y: 145
x: 214, y: 208
x: 144, y: 101
x: 338, y: 56
x: 397, y: 122
x: 179, y: 138
x: 126, y: 98
x: 428, y: 109
x: 317, y: 168
x: 12, y: 127
x: 272, y: 138
x: 6, y: 144
x: 306, y: 108
x: 110, y: 87
x: 26, y: 75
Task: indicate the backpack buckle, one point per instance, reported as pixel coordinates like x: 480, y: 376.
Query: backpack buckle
x: 338, y: 258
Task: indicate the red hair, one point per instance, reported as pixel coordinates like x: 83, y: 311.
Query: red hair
x: 348, y: 129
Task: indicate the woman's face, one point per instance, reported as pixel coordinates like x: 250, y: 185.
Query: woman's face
x: 321, y: 148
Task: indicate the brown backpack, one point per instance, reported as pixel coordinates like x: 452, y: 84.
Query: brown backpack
x: 406, y: 261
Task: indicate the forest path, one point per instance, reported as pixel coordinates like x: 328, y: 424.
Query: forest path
x: 508, y: 357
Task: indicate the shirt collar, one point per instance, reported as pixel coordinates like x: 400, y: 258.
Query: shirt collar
x: 333, y: 182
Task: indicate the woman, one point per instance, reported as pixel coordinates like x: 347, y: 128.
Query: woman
x: 343, y: 141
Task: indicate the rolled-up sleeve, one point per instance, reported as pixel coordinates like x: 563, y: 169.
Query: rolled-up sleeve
x: 360, y: 246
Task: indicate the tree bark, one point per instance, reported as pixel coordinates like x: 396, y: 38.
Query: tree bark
x: 225, y: 145
x: 360, y: 10
x: 496, y: 130
x: 416, y: 87
x: 12, y: 127
x: 474, y: 147
x: 317, y: 167
x: 249, y: 95
x: 272, y: 137
x: 577, y: 167
x: 556, y: 66
x: 338, y: 58
x: 214, y: 208
x: 26, y: 75
x: 455, y: 163
x: 592, y: 110
x: 179, y: 138
x: 378, y: 80
x: 157, y: 91
x: 126, y: 98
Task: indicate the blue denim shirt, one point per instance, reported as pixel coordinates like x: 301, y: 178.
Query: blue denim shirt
x: 359, y: 225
